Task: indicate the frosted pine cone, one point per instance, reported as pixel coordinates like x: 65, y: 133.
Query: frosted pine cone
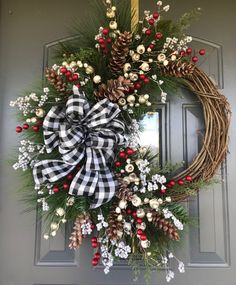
x: 119, y: 52
x: 178, y: 69
x: 166, y: 226
x: 114, y: 90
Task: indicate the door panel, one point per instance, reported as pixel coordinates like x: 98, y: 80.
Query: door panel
x: 29, y: 31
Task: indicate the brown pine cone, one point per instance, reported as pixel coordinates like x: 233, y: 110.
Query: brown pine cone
x: 76, y: 237
x: 115, y: 228
x: 166, y: 226
x: 114, y: 90
x: 123, y: 192
x: 178, y: 68
x: 56, y: 80
x: 119, y: 52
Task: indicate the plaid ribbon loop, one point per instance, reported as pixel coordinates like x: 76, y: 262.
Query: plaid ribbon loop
x: 82, y: 133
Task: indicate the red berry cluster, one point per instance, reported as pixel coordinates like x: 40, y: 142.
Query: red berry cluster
x: 151, y: 22
x: 189, y: 52
x: 66, y: 185
x: 123, y: 155
x: 26, y: 126
x: 143, y: 79
x: 97, y: 255
x: 104, y: 41
x: 180, y: 182
x: 71, y: 76
x: 96, y: 258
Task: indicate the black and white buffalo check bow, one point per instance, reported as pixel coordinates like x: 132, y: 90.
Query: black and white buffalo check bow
x: 82, y: 133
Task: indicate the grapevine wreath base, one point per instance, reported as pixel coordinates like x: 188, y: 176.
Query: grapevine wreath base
x: 81, y: 144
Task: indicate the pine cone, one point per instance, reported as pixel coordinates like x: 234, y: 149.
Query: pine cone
x: 166, y: 226
x: 115, y: 228
x: 178, y: 68
x: 77, y: 236
x: 119, y: 52
x: 114, y: 90
x: 124, y: 192
x: 56, y: 80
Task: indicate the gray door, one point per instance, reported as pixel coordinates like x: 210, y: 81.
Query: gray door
x: 209, y: 250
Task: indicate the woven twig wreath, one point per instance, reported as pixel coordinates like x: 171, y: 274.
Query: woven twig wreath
x: 217, y: 115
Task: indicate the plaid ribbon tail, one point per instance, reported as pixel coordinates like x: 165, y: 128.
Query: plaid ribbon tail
x: 100, y: 184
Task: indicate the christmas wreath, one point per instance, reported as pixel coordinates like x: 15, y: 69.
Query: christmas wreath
x: 82, y: 150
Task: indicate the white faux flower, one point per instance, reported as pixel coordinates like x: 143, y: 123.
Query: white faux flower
x: 145, y: 243
x: 141, y: 49
x: 161, y: 57
x: 168, y: 199
x: 60, y: 212
x: 154, y: 204
x: 144, y: 66
x: 136, y: 57
x: 166, y: 8
x: 136, y: 201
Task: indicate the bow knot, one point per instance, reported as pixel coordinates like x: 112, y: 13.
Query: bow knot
x: 82, y: 133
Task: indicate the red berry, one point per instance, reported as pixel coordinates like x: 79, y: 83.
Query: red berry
x: 68, y: 74
x: 122, y: 154
x: 172, y: 183
x: 117, y: 164
x: 75, y: 77
x: 18, y: 129
x: 143, y: 237
x: 55, y: 189
x: 189, y: 50
x: 151, y: 46
x: 189, y: 178
x: 139, y: 232
x: 139, y: 220
x: 35, y: 128
x: 155, y: 15
x: 182, y: 53
x: 66, y: 186
x: 148, y: 32
x: 94, y: 261
x: 105, y: 31
x: 70, y: 78
x: 109, y: 40
x: 137, y: 85
x: 202, y: 51
x: 70, y: 176
x: 93, y: 226
x: 163, y: 191
x: 146, y: 80
x: 103, y: 46
x: 181, y: 182
x: 94, y: 244
x: 63, y: 70
x: 158, y: 35
x: 94, y: 239
x: 78, y: 86
x: 130, y: 151
x: 101, y: 41
x: 151, y: 22
x: 97, y: 255
x: 195, y: 59
x: 134, y: 214
x: 142, y: 76
x: 168, y: 185
x: 129, y: 211
x: 25, y: 126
